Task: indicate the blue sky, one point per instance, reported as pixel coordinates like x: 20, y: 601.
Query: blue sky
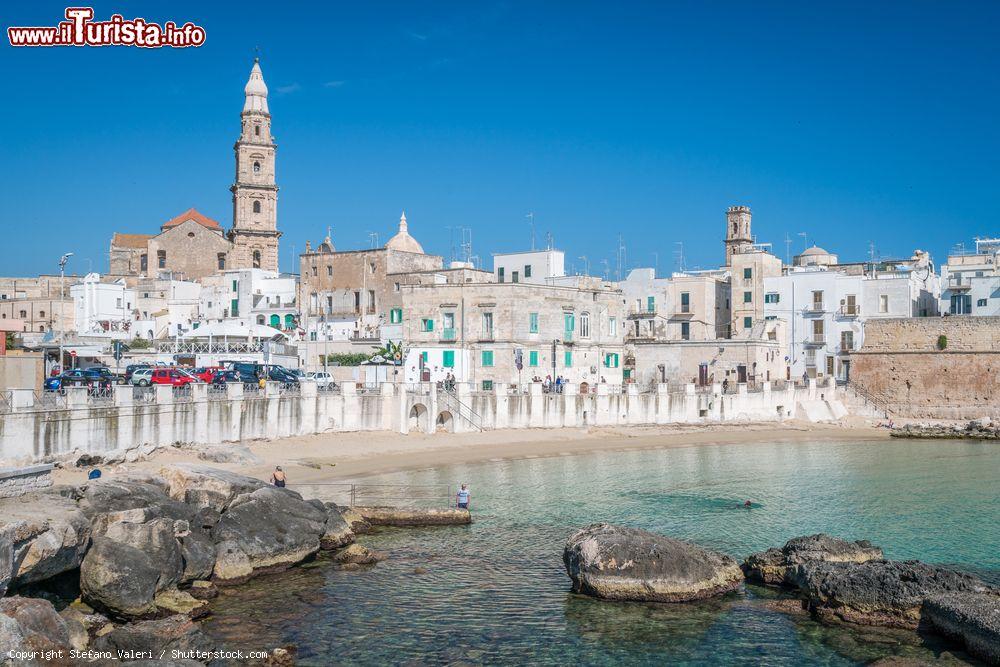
x: 854, y: 122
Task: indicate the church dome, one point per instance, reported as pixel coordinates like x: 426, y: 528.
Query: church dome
x: 402, y: 241
x: 255, y: 91
x: 814, y: 256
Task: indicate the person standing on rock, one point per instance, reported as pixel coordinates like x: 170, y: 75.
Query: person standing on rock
x: 278, y: 477
x: 462, y: 497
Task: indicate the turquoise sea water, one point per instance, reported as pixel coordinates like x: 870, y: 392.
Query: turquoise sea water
x: 496, y: 592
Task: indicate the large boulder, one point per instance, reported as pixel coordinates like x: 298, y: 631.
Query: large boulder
x: 972, y: 618
x: 617, y: 563
x: 773, y: 566
x: 174, y: 633
x: 204, y: 486
x: 338, y: 532
x: 877, y: 592
x: 44, y: 534
x: 267, y: 530
x: 32, y: 625
x: 135, y: 499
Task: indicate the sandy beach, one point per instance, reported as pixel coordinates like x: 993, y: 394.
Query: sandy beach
x: 348, y: 456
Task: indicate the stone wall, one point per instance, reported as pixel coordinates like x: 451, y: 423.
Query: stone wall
x: 901, y: 365
x: 31, y: 431
x: 19, y: 481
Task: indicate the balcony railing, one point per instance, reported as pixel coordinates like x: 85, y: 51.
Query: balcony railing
x: 448, y: 334
x: 957, y: 284
x: 489, y: 335
x: 816, y: 339
x: 639, y: 313
x: 815, y: 307
x: 849, y: 310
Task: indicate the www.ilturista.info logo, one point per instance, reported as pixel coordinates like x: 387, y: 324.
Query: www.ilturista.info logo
x: 79, y: 29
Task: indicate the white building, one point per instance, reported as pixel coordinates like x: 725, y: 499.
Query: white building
x: 165, y: 308
x: 102, y: 309
x: 970, y: 283
x: 252, y: 295
x: 533, y: 266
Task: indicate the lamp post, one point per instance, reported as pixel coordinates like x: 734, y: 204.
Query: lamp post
x: 62, y: 289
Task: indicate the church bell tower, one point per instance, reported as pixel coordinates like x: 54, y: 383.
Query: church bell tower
x: 255, y: 194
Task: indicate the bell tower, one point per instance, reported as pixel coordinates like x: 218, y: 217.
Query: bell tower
x: 738, y: 238
x: 255, y: 194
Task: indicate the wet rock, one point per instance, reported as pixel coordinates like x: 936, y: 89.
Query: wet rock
x: 205, y: 486
x: 618, y: 563
x: 356, y: 554
x: 32, y: 624
x: 972, y: 618
x: 267, y: 530
x: 877, y: 592
x: 979, y: 429
x: 413, y: 516
x: 197, y: 554
x: 44, y: 534
x: 337, y: 533
x: 178, y: 633
x: 203, y: 590
x: 773, y: 565
x: 119, y: 579
x: 359, y: 525
x: 173, y: 601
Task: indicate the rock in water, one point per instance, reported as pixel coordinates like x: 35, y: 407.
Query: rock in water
x: 44, y: 534
x: 618, y: 563
x: 356, y: 554
x: 338, y: 533
x: 973, y: 618
x: 169, y: 634
x: 267, y: 530
x: 31, y: 624
x: 878, y: 592
x: 772, y: 566
x: 119, y: 579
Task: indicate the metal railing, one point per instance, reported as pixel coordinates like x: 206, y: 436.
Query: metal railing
x: 448, y: 334
x: 50, y: 399
x: 252, y: 390
x: 814, y: 307
x: 289, y: 389
x: 880, y: 403
x: 101, y: 396
x: 419, y: 388
x: 848, y: 310
x: 143, y: 394
x: 217, y: 391
x: 183, y: 394
x: 449, y: 399
x: 6, y: 401
x: 369, y: 388
x: 376, y: 495
x: 328, y: 388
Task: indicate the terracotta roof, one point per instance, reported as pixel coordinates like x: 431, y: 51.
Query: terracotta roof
x: 191, y: 214
x: 130, y: 240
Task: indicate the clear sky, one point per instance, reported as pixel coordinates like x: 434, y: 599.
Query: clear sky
x: 853, y: 122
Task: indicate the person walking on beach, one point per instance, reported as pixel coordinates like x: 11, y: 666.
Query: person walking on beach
x: 278, y: 477
x: 462, y: 498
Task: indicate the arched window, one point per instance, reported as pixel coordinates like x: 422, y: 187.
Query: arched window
x: 734, y: 229
x: 161, y: 259
x: 256, y: 167
x: 256, y: 259
x: 585, y: 325
x: 275, y: 321
x: 256, y: 206
x: 41, y: 313
x: 256, y: 130
x: 289, y: 321
x: 24, y: 314
x: 41, y: 328
x: 260, y: 319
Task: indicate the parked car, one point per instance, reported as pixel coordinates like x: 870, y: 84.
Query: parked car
x: 80, y: 377
x: 175, y: 377
x: 281, y: 374
x: 141, y: 377
x: 323, y: 379
x: 206, y: 373
x: 226, y: 376
x: 131, y: 369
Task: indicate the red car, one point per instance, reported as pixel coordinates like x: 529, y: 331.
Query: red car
x: 172, y: 376
x: 207, y: 373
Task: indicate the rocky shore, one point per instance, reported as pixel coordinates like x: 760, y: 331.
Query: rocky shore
x: 979, y: 429
x: 834, y: 580
x: 149, y: 551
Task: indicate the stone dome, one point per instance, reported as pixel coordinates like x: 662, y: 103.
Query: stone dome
x: 814, y: 256
x: 402, y: 241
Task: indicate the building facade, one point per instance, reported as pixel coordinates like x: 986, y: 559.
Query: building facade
x: 533, y: 266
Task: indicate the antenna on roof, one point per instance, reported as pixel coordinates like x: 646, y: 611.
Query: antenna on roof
x: 788, y: 249
x: 679, y: 256
x: 656, y: 262
x: 805, y: 240
x: 373, y: 239
x: 606, y: 269
x: 531, y: 221
x: 548, y: 238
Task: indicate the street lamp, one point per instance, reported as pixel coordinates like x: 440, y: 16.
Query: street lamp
x: 62, y: 283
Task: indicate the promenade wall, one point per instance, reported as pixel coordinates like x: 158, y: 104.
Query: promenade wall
x: 34, y: 426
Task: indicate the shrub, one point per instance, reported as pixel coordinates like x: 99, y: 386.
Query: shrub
x: 942, y: 342
x: 345, y: 358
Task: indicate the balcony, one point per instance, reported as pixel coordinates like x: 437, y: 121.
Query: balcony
x: 449, y: 335
x: 567, y: 337
x: 814, y: 307
x: 816, y: 340
x: 959, y: 285
x: 683, y: 312
x: 487, y: 336
x: 641, y: 313
x: 849, y: 310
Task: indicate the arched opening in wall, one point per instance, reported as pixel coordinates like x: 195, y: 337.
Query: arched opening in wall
x: 256, y: 259
x: 256, y: 167
x: 256, y: 206
x: 417, y: 415
x: 445, y: 423
x: 260, y: 319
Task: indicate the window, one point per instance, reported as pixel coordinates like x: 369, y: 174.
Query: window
x: 514, y: 277
x: 772, y: 297
x: 500, y: 275
x: 234, y: 307
x: 41, y: 313
x: 651, y: 304
x: 846, y: 340
x: 423, y: 358
x: 315, y: 271
x: 143, y: 262
x: 487, y: 385
x: 256, y: 130
x: 685, y: 331
x: 235, y: 283
x: 487, y: 358
x: 981, y: 303
x: 275, y: 321
x: 747, y: 273
x: 256, y: 206
x: 427, y: 324
x: 613, y: 326
x: 747, y: 322
x: 685, y: 302
x: 395, y: 287
x: 161, y: 259
x: 569, y: 322
x: 611, y: 360
x: 24, y: 314
x: 883, y: 303
x: 260, y: 319
x: 533, y: 358
x: 256, y: 167
x: 396, y: 316
x: 449, y: 321
x: 527, y: 270
x: 747, y: 297
x: 221, y: 260
x: 532, y: 322
x: 329, y: 270
x: 448, y: 358
x: 488, y: 324
x: 568, y: 359
x: 371, y: 301
x: 585, y: 325
x: 329, y: 304
x: 817, y: 300
x: 256, y: 259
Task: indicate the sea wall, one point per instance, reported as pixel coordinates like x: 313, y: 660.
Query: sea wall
x: 908, y: 366
x: 36, y: 425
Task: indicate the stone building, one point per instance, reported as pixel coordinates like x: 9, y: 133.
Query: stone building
x: 191, y: 245
x: 970, y: 282
x: 685, y: 306
x: 482, y: 332
x: 41, y: 304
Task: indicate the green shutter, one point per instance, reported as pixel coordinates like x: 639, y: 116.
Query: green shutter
x: 532, y: 322
x: 487, y: 357
x: 533, y: 358
x: 234, y: 308
x: 567, y: 359
x: 448, y: 359
x: 651, y: 304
